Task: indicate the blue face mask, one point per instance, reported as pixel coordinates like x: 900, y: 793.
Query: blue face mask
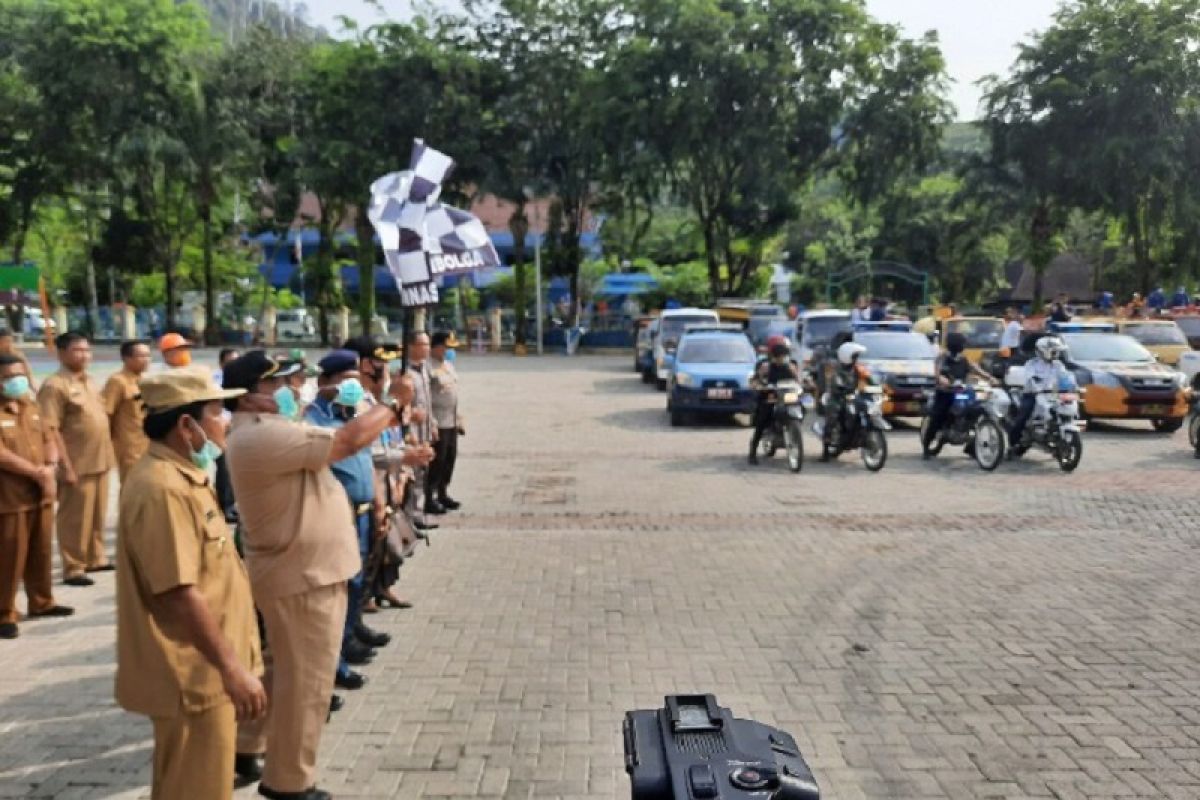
x: 16, y: 387
x: 208, y: 452
x: 450, y: 355
x: 350, y: 393
x: 286, y: 401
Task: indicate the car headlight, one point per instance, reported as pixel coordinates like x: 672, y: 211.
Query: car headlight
x: 1106, y: 380
x: 683, y: 379
x: 1181, y: 380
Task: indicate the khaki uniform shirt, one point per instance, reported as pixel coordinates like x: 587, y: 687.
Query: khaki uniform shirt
x: 172, y: 533
x: 443, y: 385
x: 298, y: 531
x: 422, y: 399
x: 72, y: 405
x: 22, y: 433
x: 123, y: 403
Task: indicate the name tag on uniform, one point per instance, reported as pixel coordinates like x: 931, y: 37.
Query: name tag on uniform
x: 9, y: 423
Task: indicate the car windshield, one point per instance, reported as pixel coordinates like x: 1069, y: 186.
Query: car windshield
x: 1156, y: 334
x: 672, y: 327
x: 782, y: 328
x: 819, y: 331
x: 981, y: 333
x: 716, y: 350
x: 1106, y: 347
x: 895, y: 346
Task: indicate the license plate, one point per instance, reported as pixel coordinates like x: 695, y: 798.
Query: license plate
x: 720, y: 394
x: 1155, y: 411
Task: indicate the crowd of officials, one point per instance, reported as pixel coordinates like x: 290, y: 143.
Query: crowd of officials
x: 264, y: 510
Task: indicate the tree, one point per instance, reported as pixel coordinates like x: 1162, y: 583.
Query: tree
x: 1097, y: 114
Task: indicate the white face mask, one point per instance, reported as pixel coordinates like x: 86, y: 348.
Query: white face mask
x: 308, y: 392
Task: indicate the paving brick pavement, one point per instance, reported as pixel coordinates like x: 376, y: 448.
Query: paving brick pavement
x: 928, y: 632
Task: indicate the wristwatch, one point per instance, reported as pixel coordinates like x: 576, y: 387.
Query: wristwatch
x: 397, y: 410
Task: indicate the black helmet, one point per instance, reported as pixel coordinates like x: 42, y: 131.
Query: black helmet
x: 956, y: 343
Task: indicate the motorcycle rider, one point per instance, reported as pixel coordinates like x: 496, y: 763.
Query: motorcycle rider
x: 846, y: 378
x: 1042, y: 373
x: 776, y: 368
x: 952, y: 368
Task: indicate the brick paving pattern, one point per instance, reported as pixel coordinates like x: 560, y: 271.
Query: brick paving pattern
x: 929, y: 632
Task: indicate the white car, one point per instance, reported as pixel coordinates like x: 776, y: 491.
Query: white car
x: 1189, y: 365
x: 671, y: 326
x: 816, y: 329
x: 294, y: 324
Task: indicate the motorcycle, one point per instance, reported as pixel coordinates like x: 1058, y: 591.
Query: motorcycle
x: 1193, y: 422
x: 786, y: 422
x: 974, y: 424
x: 859, y: 426
x: 1054, y: 426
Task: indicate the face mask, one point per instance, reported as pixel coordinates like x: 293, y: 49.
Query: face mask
x: 208, y: 452
x: 286, y: 401
x: 308, y: 393
x: 451, y: 355
x: 16, y: 387
x: 350, y: 393
x: 181, y: 359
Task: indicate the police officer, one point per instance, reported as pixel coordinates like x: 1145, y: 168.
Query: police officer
x: 776, y: 368
x: 8, y: 347
x: 951, y: 368
x: 187, y: 641
x: 443, y: 400
x: 422, y: 429
x: 301, y: 549
x: 27, y: 490
x: 123, y: 402
x: 73, y: 409
x: 339, y: 392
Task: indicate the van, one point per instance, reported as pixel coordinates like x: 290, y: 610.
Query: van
x: 294, y: 324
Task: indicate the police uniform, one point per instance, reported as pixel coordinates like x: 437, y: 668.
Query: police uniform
x: 71, y: 404
x: 123, y: 403
x: 172, y: 534
x: 300, y: 550
x: 26, y: 517
x: 443, y: 401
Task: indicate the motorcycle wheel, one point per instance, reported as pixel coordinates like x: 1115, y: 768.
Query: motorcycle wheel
x: 989, y: 445
x: 1069, y: 451
x: 1194, y: 430
x: 767, y: 446
x: 795, y: 446
x: 874, y: 450
x: 933, y: 448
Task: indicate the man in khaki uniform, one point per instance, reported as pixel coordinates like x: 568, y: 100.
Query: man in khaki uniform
x: 8, y: 347
x: 72, y: 407
x: 301, y: 548
x: 27, y: 488
x: 187, y: 640
x: 123, y: 402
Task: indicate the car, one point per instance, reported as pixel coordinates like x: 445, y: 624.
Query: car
x: 711, y: 373
x: 775, y: 327
x: 1190, y: 325
x: 1123, y: 380
x: 816, y: 329
x: 982, y: 334
x: 671, y: 325
x: 295, y: 324
x: 1162, y: 337
x: 643, y: 350
x: 902, y: 362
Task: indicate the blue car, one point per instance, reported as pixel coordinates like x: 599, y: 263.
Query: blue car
x: 711, y: 373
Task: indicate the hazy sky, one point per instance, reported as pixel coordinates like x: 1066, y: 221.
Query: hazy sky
x: 978, y: 36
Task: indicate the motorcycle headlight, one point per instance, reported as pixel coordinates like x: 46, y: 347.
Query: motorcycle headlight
x: 1106, y: 380
x: 683, y: 379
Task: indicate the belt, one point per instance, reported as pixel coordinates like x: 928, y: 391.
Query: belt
x: 363, y: 508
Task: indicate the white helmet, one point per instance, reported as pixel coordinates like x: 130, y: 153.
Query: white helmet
x: 848, y: 352
x: 1050, y: 347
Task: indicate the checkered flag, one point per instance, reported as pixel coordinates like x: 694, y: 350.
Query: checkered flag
x: 422, y: 238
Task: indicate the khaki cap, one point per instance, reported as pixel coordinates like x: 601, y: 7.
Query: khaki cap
x: 180, y: 387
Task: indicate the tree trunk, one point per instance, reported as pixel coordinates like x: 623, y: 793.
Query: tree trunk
x: 1141, y: 248
x: 710, y: 255
x: 324, y: 276
x: 90, y: 276
x: 365, y: 256
x: 212, y: 333
x: 518, y: 225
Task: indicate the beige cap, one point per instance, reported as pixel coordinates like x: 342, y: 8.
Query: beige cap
x: 180, y: 387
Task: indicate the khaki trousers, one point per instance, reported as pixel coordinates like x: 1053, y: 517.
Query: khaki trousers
x: 25, y: 555
x: 304, y: 639
x: 193, y: 755
x: 82, y: 509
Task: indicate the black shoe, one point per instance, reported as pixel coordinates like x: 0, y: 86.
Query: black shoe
x: 434, y: 507
x: 311, y: 793
x: 369, y: 637
x: 350, y: 681
x: 79, y: 580
x: 248, y: 766
x: 450, y: 503
x: 752, y: 459
x: 335, y: 703
x: 424, y: 526
x: 357, y: 653
x: 53, y: 611
x: 8, y: 630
